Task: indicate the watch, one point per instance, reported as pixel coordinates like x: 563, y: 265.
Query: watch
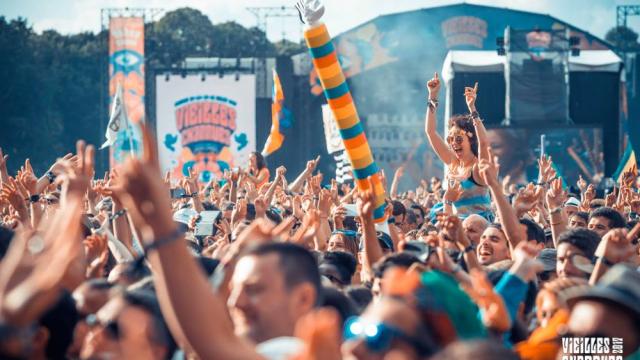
x: 50, y: 176
x: 34, y: 198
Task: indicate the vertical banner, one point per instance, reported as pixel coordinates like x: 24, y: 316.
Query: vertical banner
x: 126, y: 68
x: 206, y: 124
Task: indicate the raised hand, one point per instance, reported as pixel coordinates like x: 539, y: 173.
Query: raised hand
x: 470, y: 95
x: 616, y: 247
x: 310, y: 11
x: 453, y: 192
x: 488, y: 172
x: 494, y: 312
x: 75, y: 177
x: 97, y: 255
x: 527, y: 198
x: 556, y: 195
x: 525, y: 264
x: 280, y: 172
x: 433, y: 86
x: 324, y: 202
x: 582, y: 184
x: 27, y: 177
x: 320, y: 331
x: 365, y: 203
x: 588, y: 196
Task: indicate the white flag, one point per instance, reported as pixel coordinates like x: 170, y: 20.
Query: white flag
x: 118, y: 120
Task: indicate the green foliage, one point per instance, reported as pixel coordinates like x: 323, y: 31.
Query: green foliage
x: 623, y: 38
x: 53, y: 86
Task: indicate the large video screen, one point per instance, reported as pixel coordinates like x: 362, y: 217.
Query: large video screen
x: 205, y: 123
x: 575, y: 151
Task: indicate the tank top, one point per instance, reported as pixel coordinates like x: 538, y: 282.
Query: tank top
x: 475, y: 199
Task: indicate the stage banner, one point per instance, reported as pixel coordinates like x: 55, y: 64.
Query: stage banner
x: 206, y: 125
x: 126, y: 68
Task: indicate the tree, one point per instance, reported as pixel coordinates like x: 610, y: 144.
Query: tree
x: 289, y: 48
x: 623, y: 38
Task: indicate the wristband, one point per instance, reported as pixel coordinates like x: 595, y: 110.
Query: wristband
x: 469, y: 248
x: 34, y: 198
x: 475, y: 115
x: 117, y: 214
x: 50, y: 176
x: 447, y: 202
x: 157, y: 243
x: 605, y: 261
x: 433, y: 103
x: 556, y: 210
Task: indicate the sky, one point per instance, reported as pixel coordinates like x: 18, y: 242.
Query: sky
x: 72, y: 16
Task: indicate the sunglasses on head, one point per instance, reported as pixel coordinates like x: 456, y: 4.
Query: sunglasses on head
x: 378, y: 336
x: 111, y: 328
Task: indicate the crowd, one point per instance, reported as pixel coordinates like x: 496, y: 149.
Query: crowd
x: 251, y: 266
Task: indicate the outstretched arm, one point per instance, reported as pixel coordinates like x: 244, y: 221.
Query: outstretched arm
x: 437, y: 143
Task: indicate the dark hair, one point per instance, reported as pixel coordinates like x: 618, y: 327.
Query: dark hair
x: 60, y: 320
x: 534, y: 231
x: 6, y: 235
x: 465, y: 122
x: 398, y: 208
x: 148, y: 301
x: 419, y: 208
x: 209, y: 206
x: 360, y: 295
x: 345, y: 263
x: 209, y: 265
x: 410, y: 218
x: 261, y: 163
x: 582, y: 215
x: 532, y: 290
x: 584, y: 239
x: 297, y: 264
x: 336, y: 299
x: 402, y: 259
x: 273, y: 215
x: 615, y: 218
x: 136, y: 270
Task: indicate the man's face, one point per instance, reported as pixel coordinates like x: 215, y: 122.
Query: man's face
x: 390, y: 312
x: 261, y: 306
x: 419, y: 218
x: 599, y: 224
x: 493, y: 247
x: 565, y: 261
x: 473, y: 228
x: 591, y: 318
x: 121, y: 331
x: 577, y: 222
x: 570, y: 210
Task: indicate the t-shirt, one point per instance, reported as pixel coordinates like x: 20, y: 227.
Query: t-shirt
x: 280, y: 348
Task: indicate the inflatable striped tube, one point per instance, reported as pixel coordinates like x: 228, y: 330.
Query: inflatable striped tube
x: 336, y: 90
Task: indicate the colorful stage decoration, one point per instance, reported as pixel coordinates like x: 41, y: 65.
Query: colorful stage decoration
x: 281, y: 118
x: 126, y: 69
x: 336, y: 90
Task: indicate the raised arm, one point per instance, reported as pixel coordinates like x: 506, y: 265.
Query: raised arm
x: 470, y: 95
x: 437, y: 142
x: 296, y: 185
x: 393, y: 193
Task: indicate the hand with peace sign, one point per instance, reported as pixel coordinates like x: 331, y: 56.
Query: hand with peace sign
x: 470, y: 95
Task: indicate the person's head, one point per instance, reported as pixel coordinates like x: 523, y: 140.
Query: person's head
x: 54, y: 332
x: 552, y: 297
x: 461, y: 136
x: 89, y: 297
x: 340, y: 302
x: 419, y: 212
x: 603, y: 219
x: 389, y: 324
x: 343, y: 241
x: 474, y: 225
x: 397, y: 260
x: 571, y: 206
x: 609, y: 309
x: 535, y: 234
x: 257, y: 160
x: 130, y: 325
x: 579, y: 219
x: 272, y: 286
x: 399, y: 212
x: 493, y: 246
x: 410, y: 222
x: 360, y: 295
x: 576, y: 249
x: 338, y: 267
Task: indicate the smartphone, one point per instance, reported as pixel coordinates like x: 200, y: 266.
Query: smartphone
x: 206, y: 225
x: 178, y: 193
x: 351, y: 209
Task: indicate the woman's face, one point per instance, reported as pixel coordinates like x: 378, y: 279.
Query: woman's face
x: 459, y: 142
x: 336, y: 243
x: 253, y: 160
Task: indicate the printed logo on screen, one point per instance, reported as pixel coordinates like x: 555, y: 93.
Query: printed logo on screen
x: 464, y: 31
x: 205, y: 124
x: 592, y: 348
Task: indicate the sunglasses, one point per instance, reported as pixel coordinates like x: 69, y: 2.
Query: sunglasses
x: 378, y: 336
x: 455, y: 139
x: 111, y: 328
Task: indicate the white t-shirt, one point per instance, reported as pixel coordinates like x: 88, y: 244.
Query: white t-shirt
x: 280, y: 348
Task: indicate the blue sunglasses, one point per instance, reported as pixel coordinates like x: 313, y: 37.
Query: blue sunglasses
x: 378, y: 336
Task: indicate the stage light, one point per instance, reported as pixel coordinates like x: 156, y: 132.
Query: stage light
x: 500, y: 41
x: 203, y: 77
x: 183, y: 74
x: 237, y: 76
x: 166, y: 76
x: 501, y: 51
x: 575, y: 51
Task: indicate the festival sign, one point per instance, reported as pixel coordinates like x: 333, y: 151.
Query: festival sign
x: 126, y: 68
x: 206, y: 125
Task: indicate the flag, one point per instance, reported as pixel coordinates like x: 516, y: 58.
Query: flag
x: 118, y: 120
x: 627, y: 162
x: 280, y: 118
